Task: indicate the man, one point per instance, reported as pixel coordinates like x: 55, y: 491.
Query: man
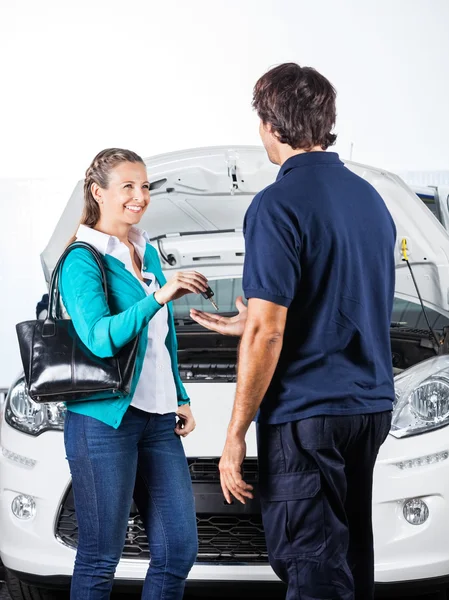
x: 315, y: 354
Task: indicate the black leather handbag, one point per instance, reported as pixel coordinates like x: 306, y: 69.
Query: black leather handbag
x: 58, y: 366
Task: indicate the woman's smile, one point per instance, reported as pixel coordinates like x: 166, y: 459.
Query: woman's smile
x: 134, y: 208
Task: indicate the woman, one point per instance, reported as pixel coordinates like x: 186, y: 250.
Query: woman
x: 125, y: 446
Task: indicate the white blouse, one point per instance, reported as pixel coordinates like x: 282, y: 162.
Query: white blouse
x: 156, y: 390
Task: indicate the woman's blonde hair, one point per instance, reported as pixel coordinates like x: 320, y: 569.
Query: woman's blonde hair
x: 98, y: 172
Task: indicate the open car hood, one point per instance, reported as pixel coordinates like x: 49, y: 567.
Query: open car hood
x: 209, y: 189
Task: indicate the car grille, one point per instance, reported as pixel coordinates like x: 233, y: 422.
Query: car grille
x: 227, y: 538
x: 208, y: 372
x: 205, y: 470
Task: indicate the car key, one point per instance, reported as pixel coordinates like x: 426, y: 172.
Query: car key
x: 208, y: 296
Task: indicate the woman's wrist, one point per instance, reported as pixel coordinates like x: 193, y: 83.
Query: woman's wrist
x: 158, y: 299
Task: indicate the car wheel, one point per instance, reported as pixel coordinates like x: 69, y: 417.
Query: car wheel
x: 22, y: 591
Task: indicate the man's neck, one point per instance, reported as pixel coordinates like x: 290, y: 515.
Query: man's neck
x: 285, y: 152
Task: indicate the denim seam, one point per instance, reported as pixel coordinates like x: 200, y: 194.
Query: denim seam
x: 96, y: 503
x: 148, y: 425
x: 165, y: 536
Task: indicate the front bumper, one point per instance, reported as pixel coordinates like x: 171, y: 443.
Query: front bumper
x: 252, y: 588
x: 207, y: 588
x: 403, y: 552
x: 31, y: 548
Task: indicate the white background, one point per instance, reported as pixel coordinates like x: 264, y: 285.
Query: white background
x: 78, y: 76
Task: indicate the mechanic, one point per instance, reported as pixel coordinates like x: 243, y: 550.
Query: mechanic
x: 315, y: 356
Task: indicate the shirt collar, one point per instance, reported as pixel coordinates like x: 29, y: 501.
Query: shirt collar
x: 139, y: 237
x: 104, y: 242
x: 308, y: 159
x: 97, y: 239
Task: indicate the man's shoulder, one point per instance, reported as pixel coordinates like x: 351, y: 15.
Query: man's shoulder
x: 267, y: 200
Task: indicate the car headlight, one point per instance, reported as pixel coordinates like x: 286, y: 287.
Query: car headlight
x: 422, y: 398
x: 28, y: 416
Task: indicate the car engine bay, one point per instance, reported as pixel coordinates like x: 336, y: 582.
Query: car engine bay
x: 207, y: 356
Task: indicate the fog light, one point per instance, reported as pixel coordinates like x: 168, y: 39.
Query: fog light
x: 23, y: 507
x: 18, y: 458
x: 416, y: 512
x: 423, y: 461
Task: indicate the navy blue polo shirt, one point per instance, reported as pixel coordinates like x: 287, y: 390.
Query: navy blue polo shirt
x: 320, y: 241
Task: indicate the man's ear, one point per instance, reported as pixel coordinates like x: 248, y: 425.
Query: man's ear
x: 268, y: 127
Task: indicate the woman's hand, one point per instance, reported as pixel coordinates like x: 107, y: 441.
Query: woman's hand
x: 186, y: 423
x: 224, y: 325
x: 182, y: 283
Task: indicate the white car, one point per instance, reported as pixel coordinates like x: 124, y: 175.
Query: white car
x: 198, y: 201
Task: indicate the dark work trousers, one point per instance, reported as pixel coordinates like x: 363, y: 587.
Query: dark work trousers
x: 316, y: 479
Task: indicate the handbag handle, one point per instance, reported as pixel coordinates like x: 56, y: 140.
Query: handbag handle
x: 49, y: 328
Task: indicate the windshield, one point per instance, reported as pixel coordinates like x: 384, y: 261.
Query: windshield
x: 225, y: 293
x: 405, y: 313
x: 430, y: 201
x: 409, y: 314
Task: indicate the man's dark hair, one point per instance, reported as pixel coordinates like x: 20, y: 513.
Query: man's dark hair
x: 299, y: 104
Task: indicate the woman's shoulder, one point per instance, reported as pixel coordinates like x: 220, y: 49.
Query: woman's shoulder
x: 79, y: 273
x: 80, y: 268
x: 79, y: 258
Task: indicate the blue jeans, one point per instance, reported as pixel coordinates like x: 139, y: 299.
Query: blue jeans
x: 144, y: 458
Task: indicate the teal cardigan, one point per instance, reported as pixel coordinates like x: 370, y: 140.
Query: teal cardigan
x: 104, y: 328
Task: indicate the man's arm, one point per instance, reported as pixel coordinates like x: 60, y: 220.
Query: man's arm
x: 259, y: 353
x: 271, y: 277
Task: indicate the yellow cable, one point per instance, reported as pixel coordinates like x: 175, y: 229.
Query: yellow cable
x: 404, y: 248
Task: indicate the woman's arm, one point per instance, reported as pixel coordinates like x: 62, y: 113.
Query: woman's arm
x: 83, y: 296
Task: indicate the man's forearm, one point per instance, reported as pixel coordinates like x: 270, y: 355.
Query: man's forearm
x: 258, y: 357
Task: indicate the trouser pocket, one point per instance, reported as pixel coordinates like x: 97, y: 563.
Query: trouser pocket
x: 293, y: 514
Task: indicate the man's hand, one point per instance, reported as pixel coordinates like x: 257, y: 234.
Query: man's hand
x: 224, y: 325
x: 231, y: 470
